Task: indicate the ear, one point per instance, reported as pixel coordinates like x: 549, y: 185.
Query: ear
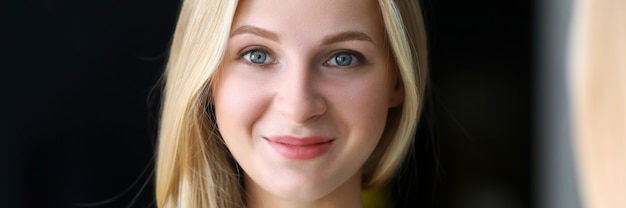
x: 396, y: 94
x: 396, y: 86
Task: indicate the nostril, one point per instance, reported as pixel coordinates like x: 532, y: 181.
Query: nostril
x: 298, y: 96
x: 300, y: 106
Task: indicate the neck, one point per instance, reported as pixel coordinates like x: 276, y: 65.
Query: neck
x: 346, y: 195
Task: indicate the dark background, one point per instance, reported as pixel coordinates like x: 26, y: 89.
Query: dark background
x: 78, y: 126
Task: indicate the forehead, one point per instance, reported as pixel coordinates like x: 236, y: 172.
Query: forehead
x: 311, y: 18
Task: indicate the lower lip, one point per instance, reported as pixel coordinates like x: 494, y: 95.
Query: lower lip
x: 301, y: 152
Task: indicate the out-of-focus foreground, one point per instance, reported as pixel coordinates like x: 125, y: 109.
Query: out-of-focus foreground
x: 598, y: 84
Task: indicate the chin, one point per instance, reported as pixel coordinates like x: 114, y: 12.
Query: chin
x: 294, y: 189
x: 303, y: 189
x: 303, y: 194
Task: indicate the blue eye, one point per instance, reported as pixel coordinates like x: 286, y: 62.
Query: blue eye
x: 257, y: 56
x: 343, y: 59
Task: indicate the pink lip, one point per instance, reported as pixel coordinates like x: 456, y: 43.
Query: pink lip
x: 304, y: 148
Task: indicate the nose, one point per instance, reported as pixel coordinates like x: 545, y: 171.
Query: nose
x: 298, y: 97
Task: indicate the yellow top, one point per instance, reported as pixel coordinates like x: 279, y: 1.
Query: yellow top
x: 377, y: 197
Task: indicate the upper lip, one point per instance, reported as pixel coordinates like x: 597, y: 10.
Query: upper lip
x: 299, y: 141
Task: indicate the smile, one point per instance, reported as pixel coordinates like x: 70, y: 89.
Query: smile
x: 305, y: 148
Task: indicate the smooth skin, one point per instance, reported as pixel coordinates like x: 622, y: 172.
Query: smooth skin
x: 300, y: 69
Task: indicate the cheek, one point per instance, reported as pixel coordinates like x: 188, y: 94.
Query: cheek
x: 363, y: 106
x: 238, y: 103
x: 367, y: 98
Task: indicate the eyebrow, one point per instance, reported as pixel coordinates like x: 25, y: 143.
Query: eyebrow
x: 347, y: 36
x: 335, y: 38
x: 255, y: 31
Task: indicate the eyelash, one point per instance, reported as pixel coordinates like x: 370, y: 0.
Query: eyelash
x: 246, y: 52
x: 359, y: 59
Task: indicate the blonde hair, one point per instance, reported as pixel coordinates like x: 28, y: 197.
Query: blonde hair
x: 195, y: 169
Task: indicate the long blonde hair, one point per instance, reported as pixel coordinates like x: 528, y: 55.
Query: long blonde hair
x: 195, y: 169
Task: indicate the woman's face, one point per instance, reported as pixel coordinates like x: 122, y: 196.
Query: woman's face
x: 303, y: 92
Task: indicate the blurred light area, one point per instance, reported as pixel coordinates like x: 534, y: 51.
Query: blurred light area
x: 555, y: 177
x: 581, y: 100
x: 598, y: 82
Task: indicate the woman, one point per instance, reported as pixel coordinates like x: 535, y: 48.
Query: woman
x: 272, y: 103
